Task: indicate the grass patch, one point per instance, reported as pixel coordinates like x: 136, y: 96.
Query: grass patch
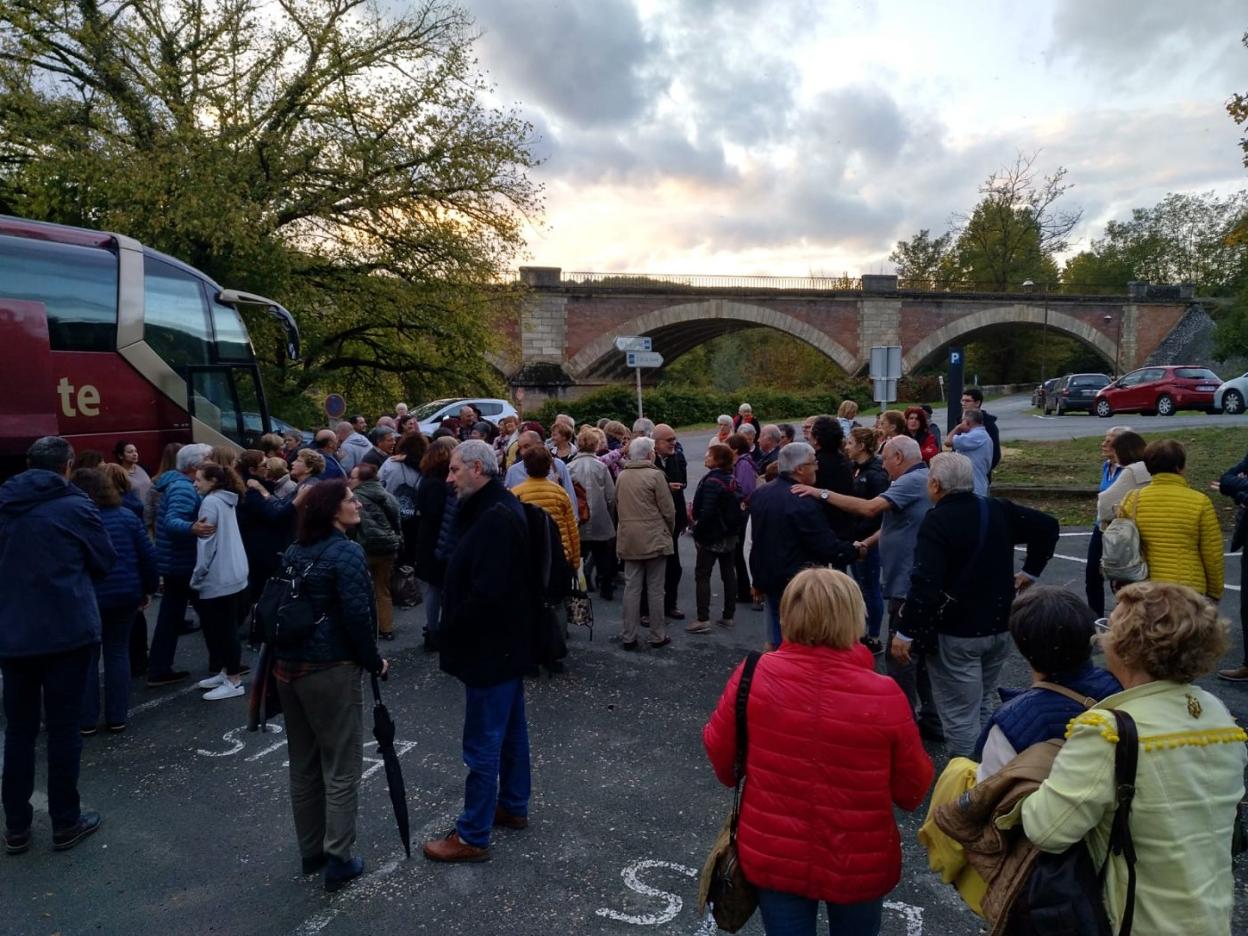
x: 1071, y: 462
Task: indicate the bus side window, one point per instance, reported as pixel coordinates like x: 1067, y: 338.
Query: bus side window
x: 77, y: 286
x: 175, y: 315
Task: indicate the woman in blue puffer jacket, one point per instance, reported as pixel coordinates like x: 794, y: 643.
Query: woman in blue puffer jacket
x: 120, y: 594
x: 319, y: 682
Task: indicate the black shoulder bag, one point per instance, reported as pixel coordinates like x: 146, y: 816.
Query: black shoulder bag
x: 1064, y: 892
x: 285, y: 615
x: 731, y: 897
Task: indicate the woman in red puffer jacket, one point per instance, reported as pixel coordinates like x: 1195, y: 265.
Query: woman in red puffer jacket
x: 832, y: 748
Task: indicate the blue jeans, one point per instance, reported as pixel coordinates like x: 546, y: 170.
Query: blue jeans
x: 115, y: 624
x: 496, y: 752
x: 791, y: 915
x: 53, y: 683
x: 867, y: 574
x: 173, y: 602
x: 773, y: 618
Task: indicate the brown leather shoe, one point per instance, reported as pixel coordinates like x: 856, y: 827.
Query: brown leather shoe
x: 452, y: 848
x: 1238, y: 674
x: 509, y: 820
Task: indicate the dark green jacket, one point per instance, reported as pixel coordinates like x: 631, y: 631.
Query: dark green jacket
x: 379, y: 531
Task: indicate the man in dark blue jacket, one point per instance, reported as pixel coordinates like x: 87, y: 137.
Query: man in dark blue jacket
x: 1234, y: 484
x: 51, y: 544
x: 790, y: 533
x: 487, y: 641
x: 177, y: 526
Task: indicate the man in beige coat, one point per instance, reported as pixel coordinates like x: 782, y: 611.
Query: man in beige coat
x: 644, y: 539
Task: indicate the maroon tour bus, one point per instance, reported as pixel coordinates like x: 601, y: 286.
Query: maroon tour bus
x: 102, y: 339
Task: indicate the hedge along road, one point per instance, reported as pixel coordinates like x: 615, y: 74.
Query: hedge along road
x: 198, y: 835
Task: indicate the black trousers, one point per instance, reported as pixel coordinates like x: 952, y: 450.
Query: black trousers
x: 1093, y: 582
x: 603, y: 554
x: 742, y: 570
x: 912, y: 677
x: 219, y: 619
x: 674, y: 572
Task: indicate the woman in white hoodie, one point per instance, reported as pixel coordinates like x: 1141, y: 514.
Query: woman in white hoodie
x: 1128, y: 449
x: 220, y: 577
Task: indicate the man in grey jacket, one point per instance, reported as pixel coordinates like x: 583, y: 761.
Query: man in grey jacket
x: 352, y: 446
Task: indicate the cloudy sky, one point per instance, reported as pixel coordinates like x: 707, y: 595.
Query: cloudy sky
x: 799, y: 136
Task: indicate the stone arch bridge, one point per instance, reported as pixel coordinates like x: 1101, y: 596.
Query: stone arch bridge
x: 565, y: 335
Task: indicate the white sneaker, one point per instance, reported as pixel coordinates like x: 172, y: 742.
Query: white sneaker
x: 227, y: 690
x: 212, y: 681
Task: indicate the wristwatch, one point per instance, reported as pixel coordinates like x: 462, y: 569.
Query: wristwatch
x: 823, y: 495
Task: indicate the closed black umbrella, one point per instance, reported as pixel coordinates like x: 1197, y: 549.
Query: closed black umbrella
x: 383, y: 731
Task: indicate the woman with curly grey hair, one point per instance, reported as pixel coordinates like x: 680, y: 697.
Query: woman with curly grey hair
x: 1160, y: 638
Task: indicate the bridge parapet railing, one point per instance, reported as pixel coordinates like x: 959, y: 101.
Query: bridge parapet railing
x: 711, y: 281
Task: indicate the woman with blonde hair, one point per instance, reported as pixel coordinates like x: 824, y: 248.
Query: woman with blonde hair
x: 1161, y: 637
x: 846, y: 413
x: 832, y: 749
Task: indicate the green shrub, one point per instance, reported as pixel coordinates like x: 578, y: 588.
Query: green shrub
x: 682, y: 407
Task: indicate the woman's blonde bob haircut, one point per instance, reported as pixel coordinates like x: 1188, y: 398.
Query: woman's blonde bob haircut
x: 1166, y: 630
x: 822, y: 608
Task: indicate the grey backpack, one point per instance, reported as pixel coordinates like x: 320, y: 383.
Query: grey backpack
x: 1122, y: 558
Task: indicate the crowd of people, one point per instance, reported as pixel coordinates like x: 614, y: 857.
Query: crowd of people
x: 865, y: 547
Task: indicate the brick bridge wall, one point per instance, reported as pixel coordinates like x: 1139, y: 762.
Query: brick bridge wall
x: 574, y: 326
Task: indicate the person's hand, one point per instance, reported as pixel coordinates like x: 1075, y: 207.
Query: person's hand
x: 862, y: 550
x: 757, y: 595
x: 203, y: 529
x: 1215, y: 486
x: 675, y: 485
x: 1022, y: 582
x: 301, y: 494
x: 145, y: 603
x: 805, y: 490
x: 398, y: 458
x: 385, y: 669
x: 899, y: 649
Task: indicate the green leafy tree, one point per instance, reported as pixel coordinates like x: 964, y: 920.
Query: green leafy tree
x: 923, y: 261
x: 1015, y: 230
x: 324, y: 152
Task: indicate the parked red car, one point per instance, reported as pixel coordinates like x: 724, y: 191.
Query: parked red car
x: 1160, y: 390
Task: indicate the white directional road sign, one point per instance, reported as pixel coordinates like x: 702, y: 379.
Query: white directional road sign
x: 632, y: 343
x: 644, y: 358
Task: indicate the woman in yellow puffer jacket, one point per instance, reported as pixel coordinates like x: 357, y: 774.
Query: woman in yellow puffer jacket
x: 539, y: 490
x: 1179, y: 532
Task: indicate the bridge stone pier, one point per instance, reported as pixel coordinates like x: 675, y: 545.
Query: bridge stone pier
x: 564, y: 340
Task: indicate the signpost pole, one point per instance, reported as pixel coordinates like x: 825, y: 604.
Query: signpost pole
x: 637, y: 370
x: 956, y: 364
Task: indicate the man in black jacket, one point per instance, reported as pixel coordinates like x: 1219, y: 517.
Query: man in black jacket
x: 790, y: 533
x: 961, y: 588
x: 670, y: 458
x: 1234, y: 484
x: 487, y: 641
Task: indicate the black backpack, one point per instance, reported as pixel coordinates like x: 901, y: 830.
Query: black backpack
x: 405, y: 494
x: 1064, y: 892
x: 285, y: 615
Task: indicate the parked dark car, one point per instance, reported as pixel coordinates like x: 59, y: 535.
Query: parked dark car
x: 1160, y: 390
x: 1076, y: 393
x: 1042, y: 396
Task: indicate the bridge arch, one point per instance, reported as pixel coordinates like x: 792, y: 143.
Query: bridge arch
x: 682, y: 327
x: 963, y: 327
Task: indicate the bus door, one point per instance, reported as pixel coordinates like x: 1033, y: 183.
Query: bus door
x: 226, y: 400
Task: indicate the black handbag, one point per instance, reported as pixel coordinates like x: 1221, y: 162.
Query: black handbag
x: 723, y: 885
x: 1064, y: 893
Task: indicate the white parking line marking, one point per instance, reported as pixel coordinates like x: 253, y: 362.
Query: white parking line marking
x: 1084, y: 561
